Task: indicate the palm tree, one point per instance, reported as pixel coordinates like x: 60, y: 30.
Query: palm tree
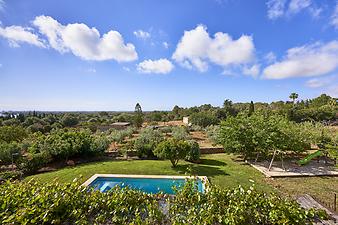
x: 293, y: 96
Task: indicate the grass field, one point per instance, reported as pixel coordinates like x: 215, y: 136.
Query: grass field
x: 221, y: 169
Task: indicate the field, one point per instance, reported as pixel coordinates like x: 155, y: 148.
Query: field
x: 221, y: 169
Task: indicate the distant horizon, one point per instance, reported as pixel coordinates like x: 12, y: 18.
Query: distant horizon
x: 108, y: 55
x: 147, y: 110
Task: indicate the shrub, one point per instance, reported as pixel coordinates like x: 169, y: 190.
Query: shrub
x: 52, y: 203
x: 10, y: 175
x: 203, y: 119
x: 180, y: 133
x: 12, y: 133
x: 7, y: 150
x: 194, y: 152
x: 172, y: 149
x: 146, y: 142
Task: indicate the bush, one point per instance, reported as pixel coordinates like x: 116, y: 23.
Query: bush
x: 52, y: 203
x: 213, y: 133
x: 7, y: 150
x: 10, y: 175
x: 180, y: 133
x: 172, y: 149
x: 146, y: 142
x: 12, y: 133
x: 203, y: 119
x: 33, y: 162
x: 194, y: 152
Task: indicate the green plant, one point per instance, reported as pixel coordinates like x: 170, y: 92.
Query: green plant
x: 172, y: 149
x: 146, y: 142
x: 193, y: 154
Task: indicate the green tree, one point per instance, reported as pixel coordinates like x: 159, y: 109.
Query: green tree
x: 293, y: 96
x: 69, y: 120
x: 172, y: 149
x: 138, y: 116
x: 251, y: 108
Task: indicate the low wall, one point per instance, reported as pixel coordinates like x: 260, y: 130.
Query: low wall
x: 211, y: 150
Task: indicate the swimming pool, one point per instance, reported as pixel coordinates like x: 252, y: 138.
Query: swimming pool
x: 151, y: 184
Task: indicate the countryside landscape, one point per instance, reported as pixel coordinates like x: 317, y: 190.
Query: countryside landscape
x: 146, y: 112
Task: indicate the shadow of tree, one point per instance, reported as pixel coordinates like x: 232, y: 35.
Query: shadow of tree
x: 202, y: 170
x: 212, y: 162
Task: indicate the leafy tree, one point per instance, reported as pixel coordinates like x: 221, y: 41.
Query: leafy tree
x: 293, y: 96
x: 138, y: 117
x: 251, y: 108
x: 69, y: 120
x: 12, y: 133
x: 180, y: 133
x: 7, y: 152
x: 172, y: 149
x: 194, y: 152
x: 147, y: 141
x: 203, y: 119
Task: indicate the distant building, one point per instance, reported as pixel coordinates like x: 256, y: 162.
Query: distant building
x: 186, y: 120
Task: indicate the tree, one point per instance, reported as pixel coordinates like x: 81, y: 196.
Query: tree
x: 138, y: 117
x: 251, y: 108
x: 172, y: 149
x: 293, y: 96
x: 147, y: 141
x: 203, y: 119
x: 69, y: 120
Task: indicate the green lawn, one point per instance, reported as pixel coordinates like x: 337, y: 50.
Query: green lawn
x: 221, y: 169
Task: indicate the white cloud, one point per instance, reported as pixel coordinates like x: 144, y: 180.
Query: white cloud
x: 334, y: 17
x: 252, y: 71
x: 126, y: 68
x: 85, y: 42
x: 284, y: 8
x: 270, y: 57
x: 17, y: 34
x: 320, y: 82
x: 165, y: 44
x: 196, y: 48
x: 305, y: 61
x: 155, y: 66
x: 275, y: 8
x: 142, y: 34
x: 91, y: 70
x: 296, y: 6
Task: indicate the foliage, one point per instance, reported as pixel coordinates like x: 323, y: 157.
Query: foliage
x: 193, y: 154
x: 7, y: 152
x: 237, y: 206
x: 180, y: 133
x: 172, y: 149
x: 262, y: 133
x: 32, y: 203
x: 10, y: 175
x: 12, y: 133
x: 213, y: 134
x: 203, y: 119
x: 138, y: 116
x: 69, y: 120
x: 147, y: 141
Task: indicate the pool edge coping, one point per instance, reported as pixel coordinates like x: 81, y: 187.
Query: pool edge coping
x: 204, y: 179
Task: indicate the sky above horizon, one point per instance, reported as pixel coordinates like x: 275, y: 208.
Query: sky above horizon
x: 109, y: 55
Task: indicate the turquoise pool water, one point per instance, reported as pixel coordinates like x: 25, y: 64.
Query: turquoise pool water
x: 148, y: 185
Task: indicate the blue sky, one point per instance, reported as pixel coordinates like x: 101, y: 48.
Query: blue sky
x: 108, y: 55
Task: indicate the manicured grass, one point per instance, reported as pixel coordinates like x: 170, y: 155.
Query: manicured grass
x: 221, y: 169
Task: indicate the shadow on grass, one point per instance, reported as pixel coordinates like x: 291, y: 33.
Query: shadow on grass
x: 201, y: 170
x: 212, y: 162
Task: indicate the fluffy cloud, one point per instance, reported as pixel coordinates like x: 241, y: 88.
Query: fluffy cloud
x: 305, y: 61
x: 16, y: 35
x: 252, y: 71
x: 196, y: 48
x: 142, y: 34
x: 334, y: 17
x: 85, y: 42
x: 162, y: 66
